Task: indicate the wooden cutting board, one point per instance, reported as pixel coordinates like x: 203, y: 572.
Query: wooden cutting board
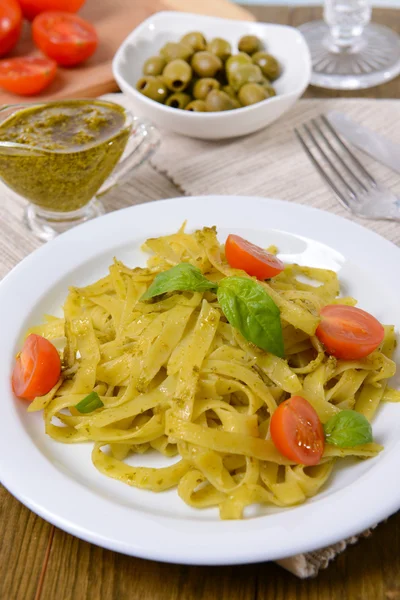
x: 114, y: 20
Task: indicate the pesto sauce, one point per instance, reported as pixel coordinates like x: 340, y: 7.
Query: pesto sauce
x: 77, y: 145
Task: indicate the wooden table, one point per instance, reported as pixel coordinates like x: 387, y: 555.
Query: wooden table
x: 41, y: 562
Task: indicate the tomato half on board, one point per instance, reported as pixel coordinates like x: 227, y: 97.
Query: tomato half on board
x: 349, y: 333
x: 32, y: 8
x: 242, y: 254
x: 297, y: 431
x: 37, y: 368
x: 66, y: 38
x: 27, y: 75
x: 10, y: 25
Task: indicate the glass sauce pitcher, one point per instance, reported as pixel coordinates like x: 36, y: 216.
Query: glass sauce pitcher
x: 63, y: 184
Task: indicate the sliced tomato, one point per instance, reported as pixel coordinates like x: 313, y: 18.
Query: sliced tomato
x: 248, y: 257
x: 297, y: 431
x: 349, y: 333
x: 37, y: 368
x: 26, y: 76
x: 32, y: 8
x: 10, y: 25
x: 66, y: 38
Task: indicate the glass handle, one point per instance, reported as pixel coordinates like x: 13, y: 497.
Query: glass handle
x: 144, y: 139
x: 346, y: 20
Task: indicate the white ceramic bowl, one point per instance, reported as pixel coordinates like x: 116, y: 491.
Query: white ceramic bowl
x: 286, y: 43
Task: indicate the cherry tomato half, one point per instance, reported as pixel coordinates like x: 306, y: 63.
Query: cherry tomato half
x: 27, y: 75
x: 37, y: 368
x: 66, y: 38
x: 10, y: 25
x: 32, y: 8
x: 297, y: 431
x: 349, y: 333
x: 248, y: 257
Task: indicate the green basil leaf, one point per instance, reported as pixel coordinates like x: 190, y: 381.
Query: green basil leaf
x: 90, y: 403
x: 348, y: 428
x: 181, y: 278
x: 249, y: 308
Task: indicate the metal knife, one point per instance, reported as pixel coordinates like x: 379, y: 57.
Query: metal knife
x: 380, y: 148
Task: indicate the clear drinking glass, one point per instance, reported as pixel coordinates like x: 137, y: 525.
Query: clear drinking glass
x: 349, y: 52
x: 64, y: 187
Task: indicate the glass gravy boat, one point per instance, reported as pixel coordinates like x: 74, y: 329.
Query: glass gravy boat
x: 63, y: 185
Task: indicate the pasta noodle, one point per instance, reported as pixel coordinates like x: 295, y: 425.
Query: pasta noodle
x: 174, y: 377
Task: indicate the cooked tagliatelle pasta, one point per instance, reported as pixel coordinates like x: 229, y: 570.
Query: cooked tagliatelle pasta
x: 172, y: 375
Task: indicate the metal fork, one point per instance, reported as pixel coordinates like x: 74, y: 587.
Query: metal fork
x: 354, y: 187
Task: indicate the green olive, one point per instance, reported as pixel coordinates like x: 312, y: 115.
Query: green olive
x: 178, y: 100
x: 204, y: 86
x: 154, y: 65
x: 206, y: 76
x: 177, y: 75
x: 218, y: 101
x: 173, y: 50
x: 236, y: 103
x: 236, y: 61
x: 206, y: 64
x: 152, y: 87
x: 195, y: 39
x: 220, y: 48
x: 250, y: 44
x: 268, y: 87
x: 196, y: 106
x: 245, y: 74
x: 268, y: 64
x: 229, y: 90
x: 251, y: 93
x: 161, y: 78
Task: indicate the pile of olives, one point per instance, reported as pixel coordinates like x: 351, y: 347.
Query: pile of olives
x: 202, y: 76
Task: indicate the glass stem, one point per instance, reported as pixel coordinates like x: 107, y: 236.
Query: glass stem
x: 346, y: 20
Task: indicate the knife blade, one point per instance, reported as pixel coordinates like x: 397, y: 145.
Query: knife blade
x: 370, y: 142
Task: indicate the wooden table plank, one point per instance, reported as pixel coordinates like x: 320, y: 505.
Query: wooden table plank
x: 75, y: 569
x: 82, y: 571
x: 24, y: 540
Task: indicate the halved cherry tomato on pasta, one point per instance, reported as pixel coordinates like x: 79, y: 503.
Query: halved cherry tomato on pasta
x: 10, y: 25
x: 66, y: 38
x: 31, y: 8
x: 248, y: 257
x: 297, y: 431
x: 349, y: 333
x: 37, y: 368
x: 26, y: 76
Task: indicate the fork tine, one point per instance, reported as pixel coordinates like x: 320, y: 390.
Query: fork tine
x: 342, y: 198
x: 336, y: 153
x: 330, y: 163
x: 347, y: 150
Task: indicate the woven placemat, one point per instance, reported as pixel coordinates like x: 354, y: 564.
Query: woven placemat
x: 269, y: 163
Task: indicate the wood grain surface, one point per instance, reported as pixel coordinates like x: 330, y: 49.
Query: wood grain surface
x: 114, y: 20
x: 40, y: 562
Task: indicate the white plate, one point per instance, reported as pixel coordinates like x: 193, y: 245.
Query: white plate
x: 58, y: 481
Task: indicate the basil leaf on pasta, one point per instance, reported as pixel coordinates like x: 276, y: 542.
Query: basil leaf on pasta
x: 181, y: 278
x: 348, y: 428
x: 90, y: 403
x: 249, y: 308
